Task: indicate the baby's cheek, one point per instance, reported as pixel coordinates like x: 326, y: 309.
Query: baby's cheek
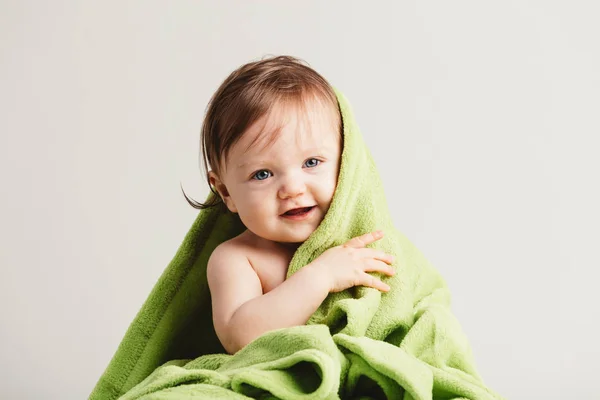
x: 327, y: 189
x: 254, y: 199
x: 257, y: 205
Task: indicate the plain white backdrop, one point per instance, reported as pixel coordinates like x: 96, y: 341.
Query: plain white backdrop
x: 481, y: 116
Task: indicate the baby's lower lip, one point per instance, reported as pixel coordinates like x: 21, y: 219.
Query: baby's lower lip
x: 298, y: 217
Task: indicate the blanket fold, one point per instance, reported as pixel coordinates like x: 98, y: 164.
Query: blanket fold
x: 360, y: 343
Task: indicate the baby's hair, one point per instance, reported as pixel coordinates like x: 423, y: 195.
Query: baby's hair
x: 247, y: 95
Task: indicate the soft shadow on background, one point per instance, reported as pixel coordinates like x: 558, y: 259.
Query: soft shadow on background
x: 483, y: 120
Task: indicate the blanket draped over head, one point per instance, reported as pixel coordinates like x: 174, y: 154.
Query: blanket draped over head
x: 359, y: 344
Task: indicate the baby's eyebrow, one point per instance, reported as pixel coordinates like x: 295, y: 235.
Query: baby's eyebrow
x: 251, y: 162
x: 313, y: 150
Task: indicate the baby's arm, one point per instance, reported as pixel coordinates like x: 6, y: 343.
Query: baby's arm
x: 241, y: 312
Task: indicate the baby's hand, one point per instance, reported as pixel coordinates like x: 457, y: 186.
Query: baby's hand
x: 347, y: 265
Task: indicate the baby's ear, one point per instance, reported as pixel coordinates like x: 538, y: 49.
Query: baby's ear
x: 220, y: 187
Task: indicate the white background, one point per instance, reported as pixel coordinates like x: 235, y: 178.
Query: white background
x: 482, y: 118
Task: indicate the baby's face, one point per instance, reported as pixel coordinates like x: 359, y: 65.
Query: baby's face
x: 300, y: 169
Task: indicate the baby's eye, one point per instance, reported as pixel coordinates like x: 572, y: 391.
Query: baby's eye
x: 314, y: 162
x: 261, y: 175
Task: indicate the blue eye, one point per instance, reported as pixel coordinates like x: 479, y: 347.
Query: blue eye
x: 316, y: 162
x: 260, y: 175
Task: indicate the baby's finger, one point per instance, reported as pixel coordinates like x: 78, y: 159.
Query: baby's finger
x: 363, y: 240
x: 371, y: 281
x: 379, y: 266
x: 378, y: 255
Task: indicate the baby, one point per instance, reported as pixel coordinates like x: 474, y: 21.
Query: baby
x: 272, y: 137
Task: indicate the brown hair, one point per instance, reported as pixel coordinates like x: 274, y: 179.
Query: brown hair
x: 246, y: 96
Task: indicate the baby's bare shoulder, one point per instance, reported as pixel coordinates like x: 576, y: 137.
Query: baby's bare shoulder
x: 242, y: 246
x: 226, y: 253
x: 231, y: 280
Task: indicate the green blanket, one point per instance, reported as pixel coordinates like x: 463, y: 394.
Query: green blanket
x: 360, y: 343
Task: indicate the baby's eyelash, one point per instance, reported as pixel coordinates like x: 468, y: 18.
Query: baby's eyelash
x: 256, y: 173
x: 253, y: 176
x: 313, y: 158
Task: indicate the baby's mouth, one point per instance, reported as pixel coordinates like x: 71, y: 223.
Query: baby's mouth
x: 299, y: 211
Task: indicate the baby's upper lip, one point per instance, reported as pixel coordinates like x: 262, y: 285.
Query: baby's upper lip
x: 295, y: 208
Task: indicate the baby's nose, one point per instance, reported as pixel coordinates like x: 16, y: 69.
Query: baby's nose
x: 292, y: 187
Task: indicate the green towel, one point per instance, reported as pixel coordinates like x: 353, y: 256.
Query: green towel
x: 360, y: 343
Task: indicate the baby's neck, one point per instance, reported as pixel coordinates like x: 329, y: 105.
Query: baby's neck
x: 292, y: 247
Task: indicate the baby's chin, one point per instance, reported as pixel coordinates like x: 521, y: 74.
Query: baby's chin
x: 295, y: 238
x: 290, y: 238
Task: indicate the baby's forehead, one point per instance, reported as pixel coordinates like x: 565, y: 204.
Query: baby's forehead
x: 305, y: 122
x: 288, y: 129
x: 283, y: 138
